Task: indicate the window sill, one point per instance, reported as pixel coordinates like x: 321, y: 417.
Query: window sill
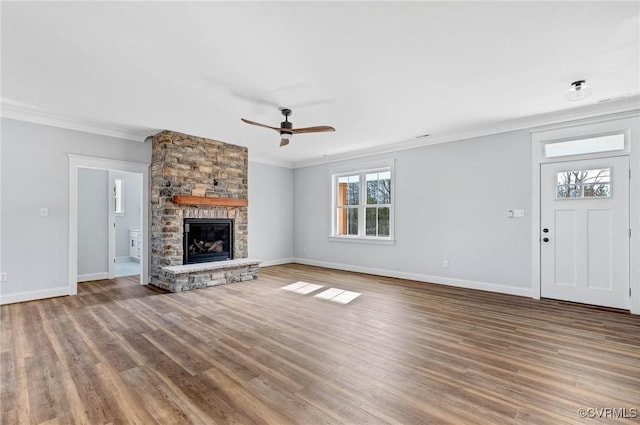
x: 355, y: 239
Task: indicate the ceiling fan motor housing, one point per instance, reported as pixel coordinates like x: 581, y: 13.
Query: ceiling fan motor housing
x: 284, y: 126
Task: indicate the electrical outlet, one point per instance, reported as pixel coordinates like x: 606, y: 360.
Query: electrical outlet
x: 445, y: 264
x: 3, y: 277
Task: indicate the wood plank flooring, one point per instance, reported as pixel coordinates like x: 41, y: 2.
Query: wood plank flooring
x: 251, y: 353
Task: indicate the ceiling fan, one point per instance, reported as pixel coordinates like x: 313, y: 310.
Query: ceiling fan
x: 286, y: 129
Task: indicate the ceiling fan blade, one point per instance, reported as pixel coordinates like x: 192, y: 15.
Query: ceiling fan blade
x: 316, y: 129
x: 284, y: 142
x: 260, y: 125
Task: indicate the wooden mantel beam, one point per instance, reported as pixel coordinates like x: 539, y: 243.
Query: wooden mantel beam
x: 209, y: 201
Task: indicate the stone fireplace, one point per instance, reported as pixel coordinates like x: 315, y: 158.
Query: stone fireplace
x: 195, y: 180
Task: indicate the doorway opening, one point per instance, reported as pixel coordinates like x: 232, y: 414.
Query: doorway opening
x: 141, y: 171
x: 125, y: 209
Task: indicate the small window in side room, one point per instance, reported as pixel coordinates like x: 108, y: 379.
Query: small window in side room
x: 118, y: 190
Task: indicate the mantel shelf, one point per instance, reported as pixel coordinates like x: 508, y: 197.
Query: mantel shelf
x: 209, y: 201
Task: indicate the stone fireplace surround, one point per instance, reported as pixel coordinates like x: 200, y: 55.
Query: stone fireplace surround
x: 180, y: 164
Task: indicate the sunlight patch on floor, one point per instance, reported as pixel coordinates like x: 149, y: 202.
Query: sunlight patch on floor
x: 338, y: 295
x: 335, y: 295
x: 302, y: 287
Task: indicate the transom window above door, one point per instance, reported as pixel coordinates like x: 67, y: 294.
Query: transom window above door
x: 585, y: 145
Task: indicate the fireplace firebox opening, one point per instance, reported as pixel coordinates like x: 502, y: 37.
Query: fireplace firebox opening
x: 207, y: 239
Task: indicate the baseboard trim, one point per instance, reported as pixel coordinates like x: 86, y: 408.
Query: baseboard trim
x: 34, y: 295
x: 93, y: 276
x: 442, y: 280
x: 267, y: 263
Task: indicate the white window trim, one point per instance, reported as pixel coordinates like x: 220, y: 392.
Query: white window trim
x: 362, y: 169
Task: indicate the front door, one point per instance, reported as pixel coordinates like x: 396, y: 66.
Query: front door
x: 584, y: 232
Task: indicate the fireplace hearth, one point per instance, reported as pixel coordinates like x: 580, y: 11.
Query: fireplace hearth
x: 207, y: 239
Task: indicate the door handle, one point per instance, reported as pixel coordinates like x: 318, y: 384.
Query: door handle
x: 545, y: 240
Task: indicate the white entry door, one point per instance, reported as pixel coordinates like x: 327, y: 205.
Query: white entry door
x: 584, y: 232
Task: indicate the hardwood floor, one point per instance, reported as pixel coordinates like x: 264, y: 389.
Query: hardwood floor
x: 251, y: 353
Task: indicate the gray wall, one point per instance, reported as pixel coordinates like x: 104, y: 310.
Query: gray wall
x: 131, y: 217
x: 35, y: 173
x: 93, y: 222
x: 270, y: 213
x: 451, y: 203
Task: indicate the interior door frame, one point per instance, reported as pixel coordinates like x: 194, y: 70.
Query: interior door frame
x: 625, y: 122
x: 111, y: 231
x: 75, y: 163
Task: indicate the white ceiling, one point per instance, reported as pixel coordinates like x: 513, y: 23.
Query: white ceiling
x: 381, y: 73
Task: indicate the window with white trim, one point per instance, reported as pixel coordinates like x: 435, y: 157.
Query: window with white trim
x: 363, y: 204
x: 118, y: 189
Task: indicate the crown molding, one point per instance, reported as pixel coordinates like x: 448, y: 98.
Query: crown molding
x: 590, y: 120
x: 629, y: 106
x: 23, y: 113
